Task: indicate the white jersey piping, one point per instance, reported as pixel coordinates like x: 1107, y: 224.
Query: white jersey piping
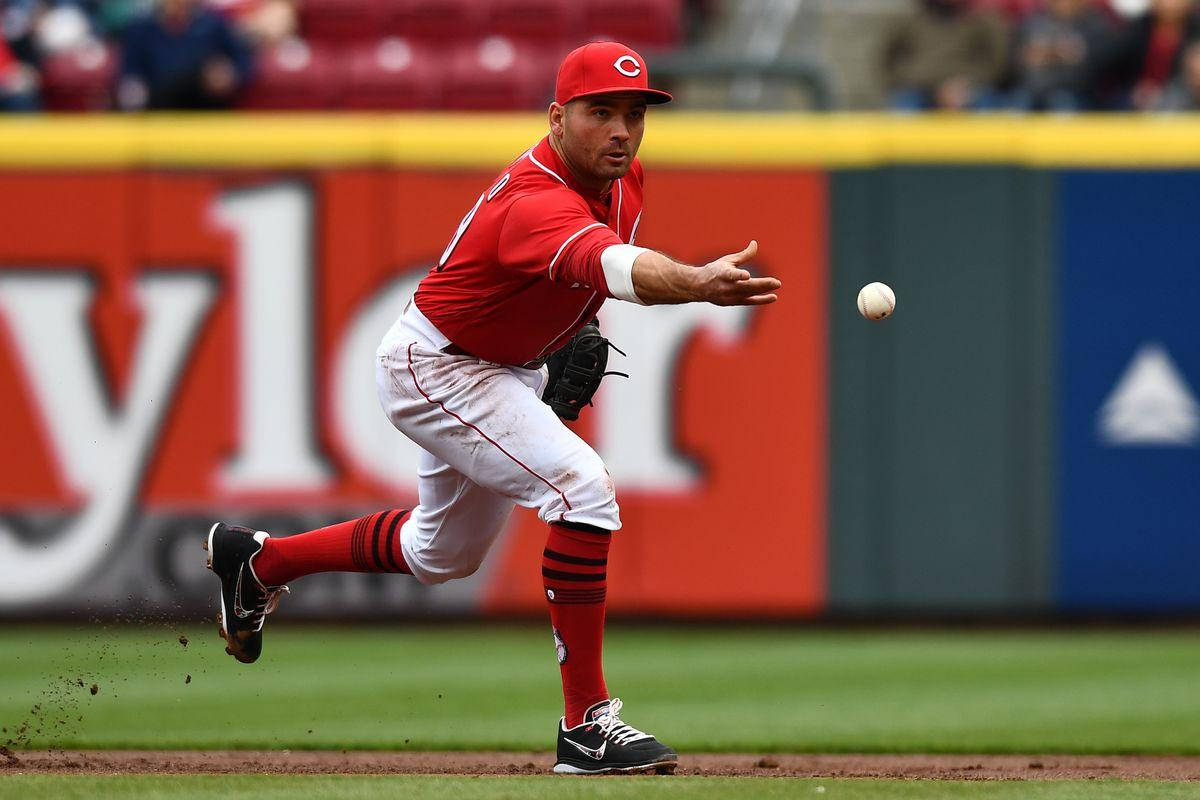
x: 545, y: 169
x: 570, y: 239
x: 620, y: 197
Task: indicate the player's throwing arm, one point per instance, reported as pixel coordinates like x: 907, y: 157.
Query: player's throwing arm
x: 659, y: 280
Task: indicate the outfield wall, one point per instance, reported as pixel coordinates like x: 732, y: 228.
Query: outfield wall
x: 189, y: 306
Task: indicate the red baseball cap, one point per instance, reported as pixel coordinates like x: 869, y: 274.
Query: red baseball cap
x: 604, y: 68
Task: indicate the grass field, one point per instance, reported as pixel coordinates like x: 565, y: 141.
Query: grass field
x: 702, y: 690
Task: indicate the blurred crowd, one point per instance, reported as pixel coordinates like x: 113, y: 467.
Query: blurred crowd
x: 1030, y: 55
x: 148, y: 54
x: 1052, y: 55
x: 75, y: 55
x: 168, y: 54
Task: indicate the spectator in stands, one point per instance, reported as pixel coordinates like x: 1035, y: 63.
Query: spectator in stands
x: 1184, y: 93
x: 947, y: 54
x: 1147, y: 56
x: 18, y: 82
x: 1057, y: 53
x: 181, y: 56
x: 264, y: 22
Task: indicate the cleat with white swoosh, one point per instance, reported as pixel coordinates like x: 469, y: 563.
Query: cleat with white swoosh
x: 602, y: 743
x: 245, y: 601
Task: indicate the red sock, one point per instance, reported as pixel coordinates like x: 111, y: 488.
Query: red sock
x: 366, y: 544
x: 574, y: 573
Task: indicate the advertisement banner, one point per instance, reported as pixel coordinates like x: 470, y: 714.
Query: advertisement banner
x: 1129, y: 391
x: 183, y: 346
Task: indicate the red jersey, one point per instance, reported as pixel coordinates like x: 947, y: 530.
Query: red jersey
x: 522, y: 273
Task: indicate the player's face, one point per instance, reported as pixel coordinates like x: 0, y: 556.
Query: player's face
x: 601, y: 135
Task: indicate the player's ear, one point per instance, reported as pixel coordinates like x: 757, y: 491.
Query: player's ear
x: 557, y: 113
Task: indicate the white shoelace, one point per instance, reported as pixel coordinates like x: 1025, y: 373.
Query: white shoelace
x: 269, y: 603
x: 613, y: 729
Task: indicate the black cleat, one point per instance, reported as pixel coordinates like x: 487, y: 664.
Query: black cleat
x: 245, y: 602
x: 603, y: 743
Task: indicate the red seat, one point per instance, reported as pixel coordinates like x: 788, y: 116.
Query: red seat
x: 80, y: 80
x: 390, y: 74
x: 293, y: 75
x: 542, y: 21
x: 637, y: 23
x: 436, y: 20
x: 496, y: 75
x: 344, y: 20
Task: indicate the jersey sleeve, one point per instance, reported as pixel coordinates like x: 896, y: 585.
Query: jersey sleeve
x: 552, y: 234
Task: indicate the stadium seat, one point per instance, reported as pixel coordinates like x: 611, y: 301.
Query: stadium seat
x: 80, y: 79
x: 390, y: 74
x: 343, y: 20
x: 638, y: 23
x: 294, y: 75
x: 495, y: 75
x: 542, y: 21
x: 436, y: 20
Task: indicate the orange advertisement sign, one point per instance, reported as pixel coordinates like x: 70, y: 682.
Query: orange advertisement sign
x: 178, y: 346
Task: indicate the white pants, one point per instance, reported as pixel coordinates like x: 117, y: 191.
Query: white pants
x: 490, y: 442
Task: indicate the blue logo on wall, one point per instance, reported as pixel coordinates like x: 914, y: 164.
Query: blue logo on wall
x: 1129, y: 370
x: 1151, y: 404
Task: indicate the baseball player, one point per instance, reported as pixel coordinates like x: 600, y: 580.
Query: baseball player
x: 498, y: 344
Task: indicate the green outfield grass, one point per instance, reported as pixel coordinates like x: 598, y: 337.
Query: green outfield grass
x: 469, y: 687
x: 276, y: 787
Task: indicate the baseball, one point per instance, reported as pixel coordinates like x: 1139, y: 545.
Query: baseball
x: 876, y: 300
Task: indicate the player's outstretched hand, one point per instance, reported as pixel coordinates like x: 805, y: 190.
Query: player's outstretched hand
x: 658, y: 280
x: 725, y: 283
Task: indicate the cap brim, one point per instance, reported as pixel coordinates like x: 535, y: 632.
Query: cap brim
x: 653, y: 96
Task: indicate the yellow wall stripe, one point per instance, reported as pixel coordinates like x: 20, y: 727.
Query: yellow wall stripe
x: 685, y: 139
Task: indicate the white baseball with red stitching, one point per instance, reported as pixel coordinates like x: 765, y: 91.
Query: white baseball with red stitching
x: 876, y: 301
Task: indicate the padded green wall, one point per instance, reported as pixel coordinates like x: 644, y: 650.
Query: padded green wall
x: 940, y: 416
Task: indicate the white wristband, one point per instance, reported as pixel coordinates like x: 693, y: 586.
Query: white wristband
x: 617, y: 261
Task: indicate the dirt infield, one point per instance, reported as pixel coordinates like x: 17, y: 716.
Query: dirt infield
x: 913, y: 767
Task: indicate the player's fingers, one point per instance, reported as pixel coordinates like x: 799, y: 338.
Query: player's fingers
x: 753, y: 286
x: 756, y: 300
x: 746, y: 255
x: 734, y: 275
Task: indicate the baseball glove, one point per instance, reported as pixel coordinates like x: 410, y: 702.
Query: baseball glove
x: 576, y: 370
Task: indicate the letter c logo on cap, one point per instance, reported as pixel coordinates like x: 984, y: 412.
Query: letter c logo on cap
x: 631, y: 72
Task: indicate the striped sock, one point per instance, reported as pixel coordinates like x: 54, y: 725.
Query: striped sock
x: 366, y: 544
x: 574, y: 573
